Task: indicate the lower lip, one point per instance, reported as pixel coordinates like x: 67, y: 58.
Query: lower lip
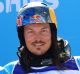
x: 38, y: 48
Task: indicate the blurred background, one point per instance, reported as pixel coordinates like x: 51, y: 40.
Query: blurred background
x: 68, y: 18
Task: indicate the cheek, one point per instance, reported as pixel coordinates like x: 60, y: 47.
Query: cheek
x: 28, y: 36
x: 28, y: 39
x: 28, y: 42
x: 47, y: 37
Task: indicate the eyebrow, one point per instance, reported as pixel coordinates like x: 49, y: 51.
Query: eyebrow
x: 28, y: 28
x: 44, y: 27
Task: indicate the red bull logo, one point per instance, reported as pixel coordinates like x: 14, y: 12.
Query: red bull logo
x: 36, y: 17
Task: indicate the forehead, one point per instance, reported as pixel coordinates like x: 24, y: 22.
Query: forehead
x: 38, y: 25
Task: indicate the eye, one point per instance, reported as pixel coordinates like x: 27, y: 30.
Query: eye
x: 29, y: 31
x: 44, y: 30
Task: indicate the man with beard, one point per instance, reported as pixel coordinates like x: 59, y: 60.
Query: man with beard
x: 41, y: 51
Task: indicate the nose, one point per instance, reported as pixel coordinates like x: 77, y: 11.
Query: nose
x: 38, y: 36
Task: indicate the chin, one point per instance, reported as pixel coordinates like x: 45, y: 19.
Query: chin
x: 39, y: 54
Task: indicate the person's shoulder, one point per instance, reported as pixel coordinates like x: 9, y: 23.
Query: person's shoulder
x: 8, y: 68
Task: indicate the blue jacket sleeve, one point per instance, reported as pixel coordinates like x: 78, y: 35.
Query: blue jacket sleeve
x: 8, y: 68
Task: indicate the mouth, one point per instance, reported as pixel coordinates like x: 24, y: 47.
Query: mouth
x: 38, y: 44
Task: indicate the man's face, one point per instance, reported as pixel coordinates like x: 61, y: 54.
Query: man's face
x: 37, y: 38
